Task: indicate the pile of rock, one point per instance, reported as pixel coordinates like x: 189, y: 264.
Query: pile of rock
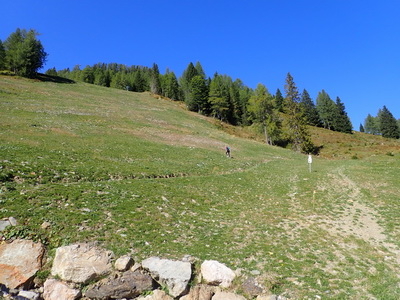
x: 85, y: 271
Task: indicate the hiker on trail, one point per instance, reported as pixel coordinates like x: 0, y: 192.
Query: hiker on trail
x: 227, y: 151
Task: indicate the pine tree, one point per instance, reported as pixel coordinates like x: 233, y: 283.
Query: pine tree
x: 296, y: 124
x: 326, y: 110
x: 279, y: 100
x: 341, y: 121
x: 198, y: 94
x: 310, y: 111
x: 155, y: 84
x: 218, y: 98
x: 388, y: 124
x: 2, y: 56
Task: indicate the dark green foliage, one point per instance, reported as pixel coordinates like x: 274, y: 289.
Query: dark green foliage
x: 388, y: 124
x: 219, y: 98
x: 371, y: 125
x: 51, y: 72
x: 326, y: 109
x: 170, y: 86
x: 24, y: 54
x: 361, y: 128
x: 88, y: 75
x: 2, y: 56
x: 341, y: 121
x: 155, y: 84
x: 310, y: 111
x: 185, y: 80
x: 279, y: 100
x: 198, y: 94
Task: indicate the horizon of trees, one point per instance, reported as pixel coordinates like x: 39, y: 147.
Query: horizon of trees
x: 281, y: 118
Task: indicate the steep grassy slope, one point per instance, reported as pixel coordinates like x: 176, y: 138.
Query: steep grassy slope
x: 143, y: 175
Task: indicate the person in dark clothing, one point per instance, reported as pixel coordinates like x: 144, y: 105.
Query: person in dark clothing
x: 228, y: 151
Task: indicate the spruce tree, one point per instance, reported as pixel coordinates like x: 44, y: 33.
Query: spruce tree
x: 388, y: 124
x: 295, y: 121
x: 341, y: 121
x: 2, y: 56
x: 326, y: 109
x: 185, y: 80
x: 279, y: 100
x: 218, y: 98
x: 198, y: 94
x: 361, y: 128
x: 310, y: 111
x: 155, y: 84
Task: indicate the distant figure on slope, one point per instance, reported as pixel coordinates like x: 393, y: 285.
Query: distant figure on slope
x: 227, y: 151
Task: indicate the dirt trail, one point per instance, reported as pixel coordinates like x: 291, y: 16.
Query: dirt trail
x: 358, y: 219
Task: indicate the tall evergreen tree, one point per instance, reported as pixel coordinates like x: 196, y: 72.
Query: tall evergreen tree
x: 388, y: 124
x: 155, y: 84
x: 371, y: 125
x: 279, y: 100
x: 218, y: 98
x: 185, y: 80
x: 362, y: 128
x: 310, y: 111
x: 2, y: 56
x: 341, y: 121
x: 326, y: 109
x: 295, y: 122
x: 198, y: 94
x: 170, y: 86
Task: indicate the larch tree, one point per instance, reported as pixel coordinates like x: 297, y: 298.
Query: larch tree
x: 371, y: 125
x: 295, y: 121
x: 261, y: 110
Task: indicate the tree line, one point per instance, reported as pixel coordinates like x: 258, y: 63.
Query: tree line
x: 384, y: 123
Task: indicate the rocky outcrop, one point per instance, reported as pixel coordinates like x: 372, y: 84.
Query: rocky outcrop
x: 81, y: 263
x: 173, y: 274
x: 19, y: 262
x: 155, y: 278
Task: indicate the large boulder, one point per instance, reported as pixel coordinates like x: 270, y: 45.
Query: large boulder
x: 81, y: 263
x: 126, y: 285
x: 19, y: 262
x: 173, y: 274
x: 57, y: 290
x: 215, y: 273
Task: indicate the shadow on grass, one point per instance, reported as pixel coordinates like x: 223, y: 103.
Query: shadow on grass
x: 50, y: 78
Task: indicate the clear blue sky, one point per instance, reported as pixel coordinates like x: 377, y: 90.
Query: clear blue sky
x: 349, y: 48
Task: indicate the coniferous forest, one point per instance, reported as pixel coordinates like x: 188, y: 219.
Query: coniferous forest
x: 281, y: 118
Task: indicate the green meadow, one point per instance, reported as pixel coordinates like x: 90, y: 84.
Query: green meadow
x: 143, y: 176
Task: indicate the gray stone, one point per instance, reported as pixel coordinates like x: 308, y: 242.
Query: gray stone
x: 123, y: 263
x: 12, y: 221
x: 4, y: 224
x: 56, y: 290
x: 174, y: 274
x: 29, y: 295
x: 19, y: 262
x: 215, y: 273
x: 252, y: 288
x: 125, y: 285
x: 81, y: 263
x: 227, y: 296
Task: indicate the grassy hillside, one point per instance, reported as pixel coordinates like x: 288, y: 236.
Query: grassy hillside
x: 142, y: 175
